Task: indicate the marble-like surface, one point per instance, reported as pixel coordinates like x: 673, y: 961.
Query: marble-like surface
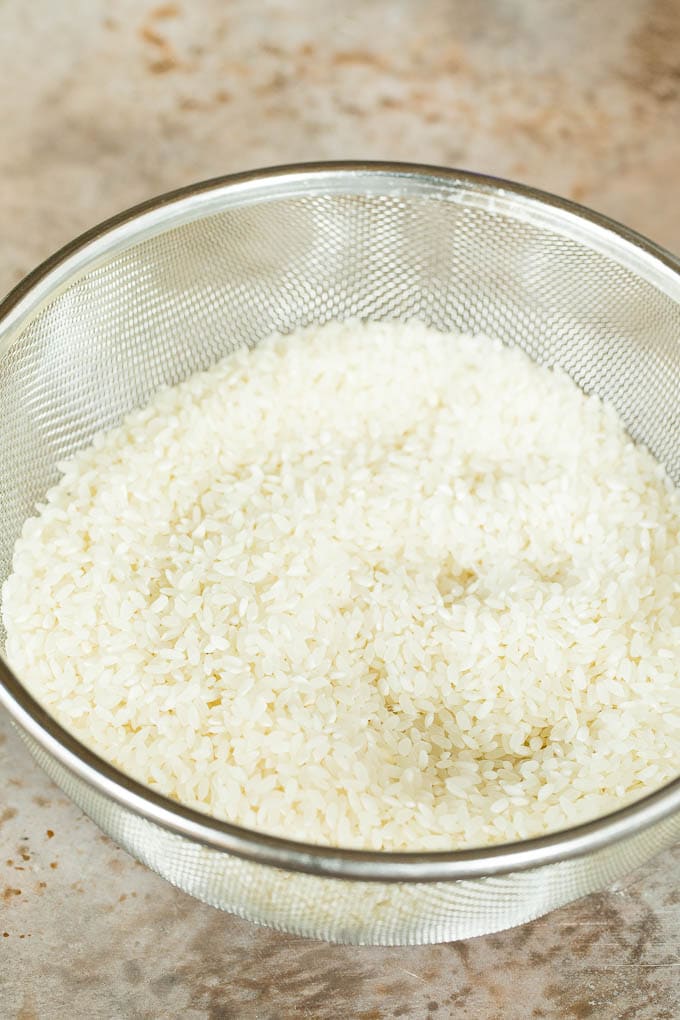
x: 107, y: 103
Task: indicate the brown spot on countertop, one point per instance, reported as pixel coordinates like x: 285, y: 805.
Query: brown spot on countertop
x: 275, y: 84
x: 54, y: 865
x: 50, y: 834
x: 165, y: 11
x: 151, y: 36
x: 461, y: 996
x: 7, y: 815
x: 317, y: 976
x: 272, y: 49
x: 132, y: 972
x: 42, y: 801
x: 189, y: 103
x: 365, y: 57
x: 8, y: 893
x: 28, y: 1010
x: 164, y: 65
x: 578, y: 191
x: 655, y: 51
x: 166, y: 59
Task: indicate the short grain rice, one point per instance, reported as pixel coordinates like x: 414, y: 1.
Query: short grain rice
x: 366, y: 585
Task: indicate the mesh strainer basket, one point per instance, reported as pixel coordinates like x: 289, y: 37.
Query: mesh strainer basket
x: 174, y: 285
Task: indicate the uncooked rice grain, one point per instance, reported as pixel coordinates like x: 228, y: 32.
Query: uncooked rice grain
x: 366, y: 585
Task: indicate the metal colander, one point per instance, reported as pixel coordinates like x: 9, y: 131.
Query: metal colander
x: 171, y: 287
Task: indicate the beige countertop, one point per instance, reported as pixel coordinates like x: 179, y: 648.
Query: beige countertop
x: 107, y: 103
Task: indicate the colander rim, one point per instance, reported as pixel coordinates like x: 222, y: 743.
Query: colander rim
x: 42, y: 285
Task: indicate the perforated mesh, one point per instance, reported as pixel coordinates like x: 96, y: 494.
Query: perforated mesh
x: 340, y: 910
x: 179, y: 301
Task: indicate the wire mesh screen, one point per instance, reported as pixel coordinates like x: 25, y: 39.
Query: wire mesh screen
x: 355, y: 912
x: 176, y: 303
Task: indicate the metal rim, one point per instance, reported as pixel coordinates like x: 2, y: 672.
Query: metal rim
x: 162, y: 213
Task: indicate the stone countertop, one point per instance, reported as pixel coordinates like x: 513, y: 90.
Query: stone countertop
x: 108, y: 103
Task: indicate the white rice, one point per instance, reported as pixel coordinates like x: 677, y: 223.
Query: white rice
x: 366, y: 585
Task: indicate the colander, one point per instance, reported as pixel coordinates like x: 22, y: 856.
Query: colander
x: 175, y: 284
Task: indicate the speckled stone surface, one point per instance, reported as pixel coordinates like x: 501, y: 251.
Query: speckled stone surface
x: 107, y: 103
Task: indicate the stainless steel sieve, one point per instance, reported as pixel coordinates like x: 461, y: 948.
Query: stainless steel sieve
x: 173, y: 285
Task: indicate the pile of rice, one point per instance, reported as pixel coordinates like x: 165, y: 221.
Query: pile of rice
x: 366, y: 585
